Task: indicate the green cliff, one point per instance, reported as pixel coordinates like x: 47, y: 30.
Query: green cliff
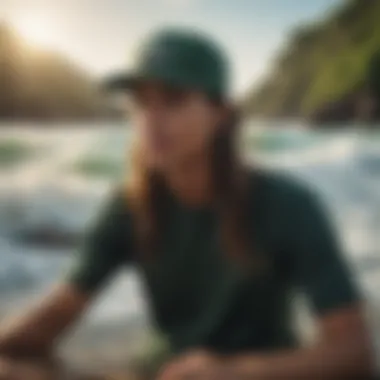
x: 329, y: 70
x: 43, y: 85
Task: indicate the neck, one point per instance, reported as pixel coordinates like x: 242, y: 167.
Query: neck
x: 191, y: 182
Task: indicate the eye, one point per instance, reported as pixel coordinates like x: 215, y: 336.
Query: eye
x: 137, y: 100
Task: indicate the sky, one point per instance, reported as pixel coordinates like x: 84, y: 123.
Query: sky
x: 101, y: 35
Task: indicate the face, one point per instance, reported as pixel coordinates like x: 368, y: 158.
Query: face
x: 174, y: 126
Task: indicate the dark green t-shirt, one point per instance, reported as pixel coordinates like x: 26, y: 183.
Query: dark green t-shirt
x: 202, y: 297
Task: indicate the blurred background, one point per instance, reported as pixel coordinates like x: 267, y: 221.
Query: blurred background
x: 307, y: 78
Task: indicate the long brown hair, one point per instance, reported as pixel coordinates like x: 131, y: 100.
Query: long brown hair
x: 147, y: 193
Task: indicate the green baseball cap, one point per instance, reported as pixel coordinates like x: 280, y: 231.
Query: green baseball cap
x: 177, y: 57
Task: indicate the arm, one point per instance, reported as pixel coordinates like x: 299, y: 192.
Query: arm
x: 35, y: 332
x: 343, y: 351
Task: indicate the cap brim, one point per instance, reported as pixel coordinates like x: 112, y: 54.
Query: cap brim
x: 120, y: 82
x: 123, y: 82
x: 126, y: 81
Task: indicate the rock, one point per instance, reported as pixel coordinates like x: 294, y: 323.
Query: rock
x: 361, y: 106
x: 49, y: 236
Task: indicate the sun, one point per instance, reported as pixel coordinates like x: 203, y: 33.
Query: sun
x: 36, y: 30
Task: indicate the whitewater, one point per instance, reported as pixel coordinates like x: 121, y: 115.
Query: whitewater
x: 46, y: 190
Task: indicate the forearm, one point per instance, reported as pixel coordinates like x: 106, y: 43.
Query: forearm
x: 33, y: 334
x: 341, y: 360
x: 20, y: 337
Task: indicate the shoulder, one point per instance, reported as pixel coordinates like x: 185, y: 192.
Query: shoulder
x: 115, y: 201
x: 281, y: 189
x: 112, y: 212
x: 292, y: 211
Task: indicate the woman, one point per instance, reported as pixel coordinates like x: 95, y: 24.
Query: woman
x: 221, y: 246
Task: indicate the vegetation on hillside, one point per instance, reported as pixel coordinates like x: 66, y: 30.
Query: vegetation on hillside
x: 332, y: 60
x: 37, y: 84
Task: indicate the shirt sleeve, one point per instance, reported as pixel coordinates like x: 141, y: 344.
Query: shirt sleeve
x: 321, y: 270
x: 107, y: 245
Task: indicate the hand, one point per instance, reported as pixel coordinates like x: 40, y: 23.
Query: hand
x: 197, y: 365
x: 21, y: 370
x: 5, y: 369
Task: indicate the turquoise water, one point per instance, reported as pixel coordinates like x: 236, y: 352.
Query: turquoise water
x: 58, y: 177
x: 72, y: 168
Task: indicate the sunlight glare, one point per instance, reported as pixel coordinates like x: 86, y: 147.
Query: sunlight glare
x: 36, y: 31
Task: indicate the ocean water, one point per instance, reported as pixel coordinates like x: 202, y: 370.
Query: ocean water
x: 64, y: 179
